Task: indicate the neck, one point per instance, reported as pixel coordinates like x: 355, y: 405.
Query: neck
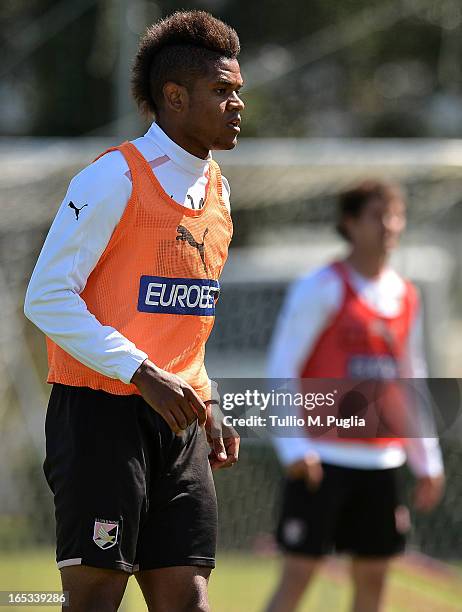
x: 369, y: 265
x: 175, y: 133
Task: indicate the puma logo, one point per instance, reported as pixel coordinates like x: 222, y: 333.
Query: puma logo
x: 76, y: 210
x: 201, y: 202
x: 185, y: 236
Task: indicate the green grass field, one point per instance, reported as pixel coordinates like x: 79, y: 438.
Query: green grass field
x: 242, y: 583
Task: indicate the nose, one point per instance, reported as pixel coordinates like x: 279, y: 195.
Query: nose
x: 235, y: 102
x: 393, y: 223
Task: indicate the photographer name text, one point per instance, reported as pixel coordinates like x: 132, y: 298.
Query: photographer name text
x: 293, y: 421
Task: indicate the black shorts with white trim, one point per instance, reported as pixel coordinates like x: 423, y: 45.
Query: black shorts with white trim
x: 128, y: 493
x: 354, y: 511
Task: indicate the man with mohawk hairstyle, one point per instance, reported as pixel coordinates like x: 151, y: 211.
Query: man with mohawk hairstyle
x: 125, y: 290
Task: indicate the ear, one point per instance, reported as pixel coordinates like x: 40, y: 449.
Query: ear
x: 349, y: 226
x: 176, y: 97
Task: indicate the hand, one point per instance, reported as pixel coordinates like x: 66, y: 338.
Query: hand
x: 176, y: 401
x: 309, y: 468
x: 223, y: 439
x: 428, y: 492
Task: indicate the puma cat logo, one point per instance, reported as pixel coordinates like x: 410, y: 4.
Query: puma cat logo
x: 76, y: 210
x: 186, y: 236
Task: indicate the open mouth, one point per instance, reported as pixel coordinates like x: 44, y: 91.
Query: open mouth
x: 235, y: 124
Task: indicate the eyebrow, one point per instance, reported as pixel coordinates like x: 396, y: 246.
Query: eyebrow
x: 226, y: 82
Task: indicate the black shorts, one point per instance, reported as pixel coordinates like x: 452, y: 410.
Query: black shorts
x: 354, y: 511
x: 128, y: 493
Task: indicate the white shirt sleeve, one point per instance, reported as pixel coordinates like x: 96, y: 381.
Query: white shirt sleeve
x: 423, y: 454
x: 424, y: 457
x: 226, y: 193
x: 414, y: 364
x: 71, y: 251
x: 309, y: 306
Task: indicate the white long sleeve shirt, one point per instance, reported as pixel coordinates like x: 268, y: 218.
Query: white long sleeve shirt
x: 311, y: 304
x: 76, y: 241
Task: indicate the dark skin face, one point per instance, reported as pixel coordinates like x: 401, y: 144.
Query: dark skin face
x: 206, y: 116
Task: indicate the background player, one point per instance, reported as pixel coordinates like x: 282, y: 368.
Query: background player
x: 355, y: 318
x: 125, y: 290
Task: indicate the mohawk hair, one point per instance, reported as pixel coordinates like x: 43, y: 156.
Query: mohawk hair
x: 179, y: 48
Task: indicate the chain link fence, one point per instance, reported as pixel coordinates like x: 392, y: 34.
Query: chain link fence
x: 282, y: 198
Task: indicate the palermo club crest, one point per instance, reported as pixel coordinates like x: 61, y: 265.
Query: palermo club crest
x: 105, y: 533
